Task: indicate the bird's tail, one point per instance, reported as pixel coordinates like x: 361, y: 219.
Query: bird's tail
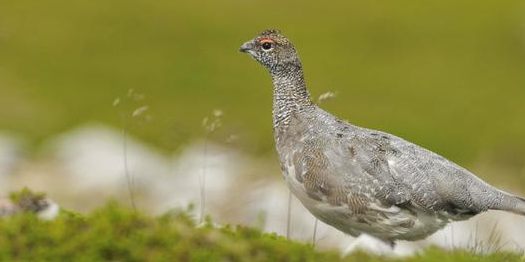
x: 498, y: 199
x: 514, y: 204
x: 520, y: 207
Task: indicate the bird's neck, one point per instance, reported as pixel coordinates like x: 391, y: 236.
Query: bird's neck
x: 289, y: 96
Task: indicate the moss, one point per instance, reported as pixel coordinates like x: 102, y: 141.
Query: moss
x: 116, y: 233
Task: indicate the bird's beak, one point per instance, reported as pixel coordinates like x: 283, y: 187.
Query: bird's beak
x: 244, y: 48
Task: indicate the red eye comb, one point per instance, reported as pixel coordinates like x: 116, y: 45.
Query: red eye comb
x: 267, y: 40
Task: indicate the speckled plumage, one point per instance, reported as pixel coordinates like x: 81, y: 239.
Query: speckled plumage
x: 360, y: 180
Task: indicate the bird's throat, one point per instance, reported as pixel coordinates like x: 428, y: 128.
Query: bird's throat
x: 290, y: 95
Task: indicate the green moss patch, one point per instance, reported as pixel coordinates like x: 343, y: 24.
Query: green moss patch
x: 117, y: 233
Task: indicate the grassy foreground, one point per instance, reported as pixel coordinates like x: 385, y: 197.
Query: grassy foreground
x: 117, y: 233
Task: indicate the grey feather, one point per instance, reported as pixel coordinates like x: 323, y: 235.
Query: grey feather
x: 360, y: 180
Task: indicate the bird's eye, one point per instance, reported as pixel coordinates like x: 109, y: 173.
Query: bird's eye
x: 267, y: 45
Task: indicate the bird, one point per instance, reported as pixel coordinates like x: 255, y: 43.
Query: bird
x: 359, y: 180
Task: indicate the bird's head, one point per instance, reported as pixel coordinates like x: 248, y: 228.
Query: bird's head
x: 271, y: 49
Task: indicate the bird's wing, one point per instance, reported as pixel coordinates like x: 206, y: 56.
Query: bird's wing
x: 428, y: 180
x: 350, y: 170
x: 351, y: 173
x: 374, y: 167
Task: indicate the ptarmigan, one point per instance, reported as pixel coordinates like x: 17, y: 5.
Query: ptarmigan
x: 360, y: 180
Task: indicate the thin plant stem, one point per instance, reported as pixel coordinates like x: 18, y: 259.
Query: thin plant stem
x: 129, y: 178
x: 452, y: 237
x: 289, y: 215
x: 314, y: 236
x: 210, y: 127
x: 202, y: 178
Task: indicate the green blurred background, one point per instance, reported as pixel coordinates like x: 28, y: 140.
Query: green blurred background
x: 448, y: 75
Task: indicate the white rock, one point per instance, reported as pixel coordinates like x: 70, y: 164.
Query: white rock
x: 10, y: 155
